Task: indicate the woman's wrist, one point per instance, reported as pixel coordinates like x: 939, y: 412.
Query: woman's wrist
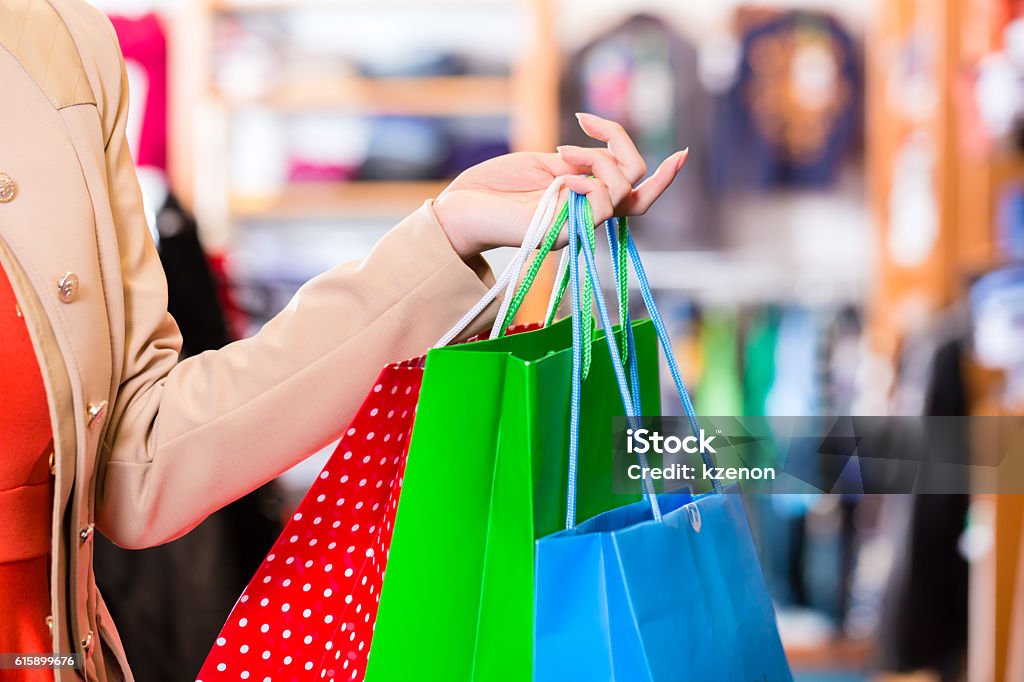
x: 466, y: 247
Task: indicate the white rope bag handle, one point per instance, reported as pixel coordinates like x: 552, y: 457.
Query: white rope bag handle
x: 539, y: 225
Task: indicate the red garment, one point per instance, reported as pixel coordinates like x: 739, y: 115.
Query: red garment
x: 144, y: 44
x: 26, y: 494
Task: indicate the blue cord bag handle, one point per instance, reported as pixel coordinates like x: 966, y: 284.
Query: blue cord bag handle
x: 578, y: 213
x: 579, y: 226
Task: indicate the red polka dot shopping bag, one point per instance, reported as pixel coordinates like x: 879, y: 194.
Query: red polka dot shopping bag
x: 308, y: 613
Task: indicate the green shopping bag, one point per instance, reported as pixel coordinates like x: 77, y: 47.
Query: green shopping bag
x: 486, y: 476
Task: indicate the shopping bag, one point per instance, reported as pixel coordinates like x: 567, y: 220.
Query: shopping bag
x: 624, y: 597
x: 669, y: 588
x: 308, y: 612
x: 486, y: 477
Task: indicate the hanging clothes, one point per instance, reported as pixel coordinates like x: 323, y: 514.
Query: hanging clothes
x: 144, y: 46
x: 793, y: 113
x: 645, y: 75
x: 841, y: 361
x: 681, y: 321
x: 759, y: 360
x: 798, y: 387
x: 191, y: 288
x: 719, y: 393
x: 798, y: 392
x: 925, y: 616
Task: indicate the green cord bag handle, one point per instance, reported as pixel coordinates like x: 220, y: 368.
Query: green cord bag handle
x: 620, y: 226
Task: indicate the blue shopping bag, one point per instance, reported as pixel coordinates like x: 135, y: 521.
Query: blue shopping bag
x: 665, y: 589
x: 624, y: 597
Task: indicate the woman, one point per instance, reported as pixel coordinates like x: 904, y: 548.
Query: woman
x: 106, y: 430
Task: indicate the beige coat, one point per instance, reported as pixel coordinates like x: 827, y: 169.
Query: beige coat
x: 147, y: 446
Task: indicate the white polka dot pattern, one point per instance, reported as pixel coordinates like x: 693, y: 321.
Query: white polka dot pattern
x: 310, y: 610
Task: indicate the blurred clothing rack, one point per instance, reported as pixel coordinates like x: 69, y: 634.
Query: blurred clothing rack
x: 921, y: 121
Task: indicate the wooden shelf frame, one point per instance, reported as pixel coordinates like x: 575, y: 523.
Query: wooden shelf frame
x: 428, y: 96
x: 256, y: 6
x: 333, y: 199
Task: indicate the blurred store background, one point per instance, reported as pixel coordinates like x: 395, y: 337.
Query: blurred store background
x: 846, y: 238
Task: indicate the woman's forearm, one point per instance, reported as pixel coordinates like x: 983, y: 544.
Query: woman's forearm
x: 222, y: 423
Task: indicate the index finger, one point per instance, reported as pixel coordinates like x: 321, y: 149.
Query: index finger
x: 620, y: 144
x: 652, y: 188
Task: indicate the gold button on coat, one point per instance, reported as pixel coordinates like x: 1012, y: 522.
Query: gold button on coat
x: 8, y: 189
x: 67, y: 287
x: 87, y: 644
x: 97, y: 412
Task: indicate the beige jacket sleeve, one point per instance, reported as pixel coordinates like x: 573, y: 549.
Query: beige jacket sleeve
x: 186, y: 438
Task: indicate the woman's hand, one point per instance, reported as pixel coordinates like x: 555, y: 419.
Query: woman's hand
x: 491, y: 204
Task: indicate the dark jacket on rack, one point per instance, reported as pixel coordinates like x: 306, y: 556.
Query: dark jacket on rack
x: 924, y: 622
x: 792, y: 115
x: 644, y: 74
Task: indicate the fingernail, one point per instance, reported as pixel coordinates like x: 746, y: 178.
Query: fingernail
x: 584, y: 116
x: 682, y: 158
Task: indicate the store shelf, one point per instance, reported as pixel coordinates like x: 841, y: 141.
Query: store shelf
x: 434, y: 96
x: 239, y: 6
x: 1007, y: 167
x: 841, y: 653
x: 327, y: 200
